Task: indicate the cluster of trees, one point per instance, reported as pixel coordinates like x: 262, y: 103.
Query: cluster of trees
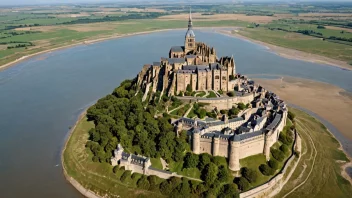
x: 121, y: 118
x: 249, y: 176
x: 149, y: 15
x: 20, y: 45
x: 279, y: 155
x: 199, y: 111
x: 234, y: 111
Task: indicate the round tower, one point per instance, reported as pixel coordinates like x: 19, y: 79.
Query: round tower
x: 234, y: 158
x: 196, y: 142
x: 216, y: 145
x: 267, y: 143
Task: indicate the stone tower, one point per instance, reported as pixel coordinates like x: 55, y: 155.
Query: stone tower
x: 234, y: 159
x: 190, y: 38
x: 196, y: 142
x: 267, y: 143
x: 216, y: 145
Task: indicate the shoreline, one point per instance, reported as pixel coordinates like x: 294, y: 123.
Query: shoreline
x: 280, y: 51
x: 292, y: 53
x: 71, y: 180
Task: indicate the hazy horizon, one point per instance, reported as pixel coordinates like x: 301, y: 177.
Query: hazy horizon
x: 48, y: 2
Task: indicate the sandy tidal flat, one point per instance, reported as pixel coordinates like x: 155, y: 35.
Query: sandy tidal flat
x: 329, y: 102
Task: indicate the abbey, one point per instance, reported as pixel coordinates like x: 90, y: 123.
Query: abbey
x: 193, y: 66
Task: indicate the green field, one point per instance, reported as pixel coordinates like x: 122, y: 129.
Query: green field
x: 320, y: 155
x: 300, y: 42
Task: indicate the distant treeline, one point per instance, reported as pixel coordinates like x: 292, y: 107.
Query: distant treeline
x: 151, y: 15
x: 20, y: 45
x: 346, y: 41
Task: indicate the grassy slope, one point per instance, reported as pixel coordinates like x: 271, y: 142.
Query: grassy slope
x: 97, y: 177
x: 325, y: 179
x: 300, y: 42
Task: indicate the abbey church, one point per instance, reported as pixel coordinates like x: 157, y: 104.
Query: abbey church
x: 194, y: 65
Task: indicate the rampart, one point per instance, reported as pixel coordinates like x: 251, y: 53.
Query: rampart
x: 275, y: 184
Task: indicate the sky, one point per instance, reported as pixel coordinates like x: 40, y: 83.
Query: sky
x: 33, y: 2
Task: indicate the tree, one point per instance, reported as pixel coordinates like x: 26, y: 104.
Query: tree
x: 242, y: 183
x: 202, y: 113
x: 241, y: 106
x: 249, y: 174
x: 115, y: 169
x: 184, y: 188
x: 217, y: 160
x: 191, y: 160
x: 265, y: 170
x: 284, y: 149
x: 223, y: 174
x: 277, y: 154
x: 153, y: 181
x: 165, y: 187
x: 125, y: 175
x: 204, y: 159
x: 189, y: 88
x: 229, y: 191
x: 273, y: 164
x: 209, y: 173
x: 143, y: 183
x: 291, y: 115
x: 231, y: 93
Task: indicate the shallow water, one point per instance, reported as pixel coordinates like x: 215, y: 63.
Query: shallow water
x: 41, y: 98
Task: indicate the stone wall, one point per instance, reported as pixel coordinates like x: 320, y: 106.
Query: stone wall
x: 277, y: 182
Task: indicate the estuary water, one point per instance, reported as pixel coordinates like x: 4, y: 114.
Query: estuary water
x: 41, y: 97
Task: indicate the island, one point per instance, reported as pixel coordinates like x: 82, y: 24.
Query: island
x: 189, y: 126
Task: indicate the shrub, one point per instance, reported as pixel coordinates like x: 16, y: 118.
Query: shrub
x: 284, y: 149
x: 291, y: 115
x: 231, y: 93
x: 297, y: 153
x: 125, y: 175
x: 249, y: 174
x: 209, y: 173
x: 191, y: 160
x: 95, y: 159
x: 115, y: 169
x: 241, y: 106
x: 223, y: 174
x: 143, y: 183
x: 228, y: 191
x: 265, y: 170
x: 242, y: 183
x: 135, y: 175
x: 273, y: 164
x: 278, y: 155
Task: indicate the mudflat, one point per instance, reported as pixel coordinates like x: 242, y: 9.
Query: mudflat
x: 330, y: 102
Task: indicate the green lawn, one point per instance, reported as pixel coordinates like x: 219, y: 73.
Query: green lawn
x: 211, y: 95
x: 189, y: 172
x: 156, y: 163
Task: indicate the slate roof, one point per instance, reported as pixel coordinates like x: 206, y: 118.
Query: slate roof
x: 156, y: 63
x: 176, y: 60
x: 177, y: 49
x: 191, y: 56
x: 274, y: 123
x: 244, y: 136
x: 194, y: 67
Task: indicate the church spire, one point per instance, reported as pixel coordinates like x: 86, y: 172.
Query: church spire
x: 190, y: 24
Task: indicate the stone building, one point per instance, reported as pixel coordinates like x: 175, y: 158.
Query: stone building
x: 254, y: 132
x: 193, y: 65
